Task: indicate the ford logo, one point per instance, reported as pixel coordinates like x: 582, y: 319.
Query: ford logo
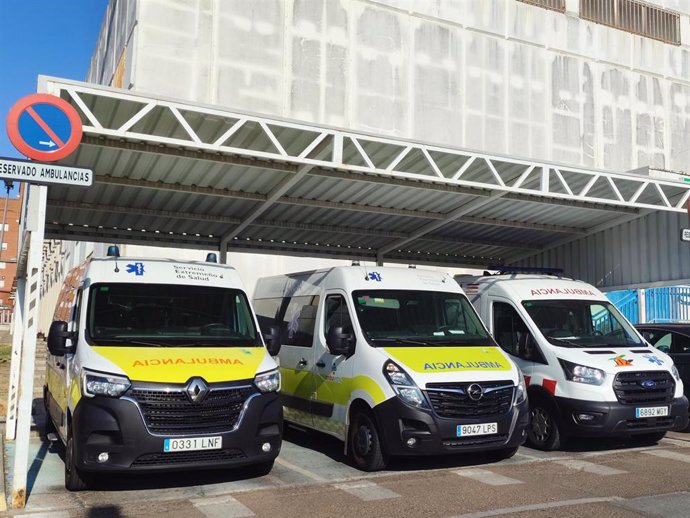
x: 648, y: 384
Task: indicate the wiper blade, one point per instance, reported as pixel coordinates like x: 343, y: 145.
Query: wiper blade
x: 403, y: 341
x: 127, y: 341
x: 573, y: 344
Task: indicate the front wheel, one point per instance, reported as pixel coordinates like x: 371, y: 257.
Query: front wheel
x: 364, y: 443
x: 75, y: 480
x: 543, y: 433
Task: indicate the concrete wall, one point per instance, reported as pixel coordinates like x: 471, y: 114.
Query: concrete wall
x: 494, y: 75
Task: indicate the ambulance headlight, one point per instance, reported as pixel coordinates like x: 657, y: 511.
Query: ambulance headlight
x: 521, y: 391
x: 582, y: 374
x: 675, y: 373
x: 102, y: 384
x: 404, y: 387
x: 268, y: 381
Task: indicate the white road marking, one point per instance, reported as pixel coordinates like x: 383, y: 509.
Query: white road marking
x: 222, y: 507
x: 538, y: 507
x: 666, y: 454
x: 487, y: 477
x: 49, y: 514
x: 366, y: 490
x: 300, y: 470
x: 590, y: 467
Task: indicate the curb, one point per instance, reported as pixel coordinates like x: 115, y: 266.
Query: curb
x: 3, y: 495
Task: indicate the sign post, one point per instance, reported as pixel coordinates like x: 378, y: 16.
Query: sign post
x: 44, y: 128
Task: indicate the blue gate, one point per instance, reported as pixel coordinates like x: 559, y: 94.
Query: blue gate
x: 670, y: 304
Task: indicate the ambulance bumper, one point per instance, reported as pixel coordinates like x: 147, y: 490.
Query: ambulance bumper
x: 601, y: 419
x: 399, y: 423
x: 116, y: 427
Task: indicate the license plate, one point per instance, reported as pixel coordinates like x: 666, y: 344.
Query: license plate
x: 195, y: 443
x: 465, y: 430
x: 655, y: 411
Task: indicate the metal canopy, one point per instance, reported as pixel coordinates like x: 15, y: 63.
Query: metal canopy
x: 172, y: 173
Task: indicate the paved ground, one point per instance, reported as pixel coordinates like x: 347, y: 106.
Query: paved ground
x: 311, y: 477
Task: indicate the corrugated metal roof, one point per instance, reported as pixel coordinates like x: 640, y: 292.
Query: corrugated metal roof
x: 172, y: 173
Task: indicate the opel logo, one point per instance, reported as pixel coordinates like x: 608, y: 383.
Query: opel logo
x: 648, y: 384
x: 475, y: 391
x: 196, y: 390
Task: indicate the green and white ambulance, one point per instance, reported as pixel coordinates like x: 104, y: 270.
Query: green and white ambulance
x: 393, y: 361
x: 588, y: 372
x: 158, y: 365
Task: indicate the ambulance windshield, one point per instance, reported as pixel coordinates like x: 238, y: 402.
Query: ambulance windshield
x: 582, y: 323
x: 418, y: 318
x: 169, y: 315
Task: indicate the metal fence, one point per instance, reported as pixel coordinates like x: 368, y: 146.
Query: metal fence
x: 634, y: 16
x: 661, y: 304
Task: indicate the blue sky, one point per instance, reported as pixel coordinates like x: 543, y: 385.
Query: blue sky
x: 43, y: 37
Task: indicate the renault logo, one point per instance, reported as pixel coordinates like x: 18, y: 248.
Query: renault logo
x: 196, y: 390
x: 475, y: 391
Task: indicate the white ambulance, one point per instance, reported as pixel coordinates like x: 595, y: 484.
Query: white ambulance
x: 157, y: 365
x: 588, y: 372
x: 393, y: 361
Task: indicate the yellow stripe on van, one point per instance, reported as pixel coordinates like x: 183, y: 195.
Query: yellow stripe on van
x: 178, y: 364
x: 450, y: 359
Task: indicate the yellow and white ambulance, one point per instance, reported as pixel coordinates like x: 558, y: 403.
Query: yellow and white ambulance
x: 393, y: 361
x: 588, y: 372
x: 158, y: 365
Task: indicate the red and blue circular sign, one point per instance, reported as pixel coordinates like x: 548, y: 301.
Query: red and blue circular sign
x: 44, y: 127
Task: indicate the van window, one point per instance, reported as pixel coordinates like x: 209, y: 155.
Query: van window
x: 337, y: 314
x: 413, y: 317
x: 512, y: 334
x: 296, y: 317
x: 166, y: 314
x: 581, y: 323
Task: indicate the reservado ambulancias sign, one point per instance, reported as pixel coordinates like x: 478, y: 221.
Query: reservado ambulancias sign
x: 36, y: 172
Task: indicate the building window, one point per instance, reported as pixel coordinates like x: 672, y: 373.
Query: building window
x: 634, y: 16
x: 3, y: 265
x: 555, y: 5
x: 4, y: 246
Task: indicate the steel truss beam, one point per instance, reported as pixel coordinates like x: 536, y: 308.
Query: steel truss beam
x: 356, y: 152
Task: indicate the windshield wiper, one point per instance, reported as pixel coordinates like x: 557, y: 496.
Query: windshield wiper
x: 127, y: 341
x: 403, y: 341
x: 573, y: 344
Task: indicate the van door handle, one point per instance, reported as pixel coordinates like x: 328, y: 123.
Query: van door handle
x: 302, y: 363
x: 321, y: 364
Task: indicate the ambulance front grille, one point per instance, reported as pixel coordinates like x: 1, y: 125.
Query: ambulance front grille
x: 188, y: 457
x: 452, y: 401
x: 171, y: 412
x: 644, y: 387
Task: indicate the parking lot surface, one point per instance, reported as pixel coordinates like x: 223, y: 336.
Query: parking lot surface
x: 312, y: 477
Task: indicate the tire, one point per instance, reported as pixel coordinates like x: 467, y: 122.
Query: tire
x: 75, y: 480
x: 543, y: 432
x: 261, y: 469
x: 364, y: 443
x: 649, y: 438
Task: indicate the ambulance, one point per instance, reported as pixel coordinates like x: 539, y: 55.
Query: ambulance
x: 158, y: 365
x: 588, y: 372
x: 392, y: 361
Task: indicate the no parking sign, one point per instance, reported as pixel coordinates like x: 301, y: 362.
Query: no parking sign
x: 44, y: 127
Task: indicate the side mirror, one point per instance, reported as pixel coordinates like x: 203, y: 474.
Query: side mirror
x: 273, y: 340
x: 57, y: 338
x: 339, y: 342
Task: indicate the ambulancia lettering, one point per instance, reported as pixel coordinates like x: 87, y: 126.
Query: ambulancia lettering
x: 462, y: 365
x: 562, y: 291
x: 189, y: 361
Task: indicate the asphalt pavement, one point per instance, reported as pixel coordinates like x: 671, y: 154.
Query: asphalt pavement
x: 312, y: 478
